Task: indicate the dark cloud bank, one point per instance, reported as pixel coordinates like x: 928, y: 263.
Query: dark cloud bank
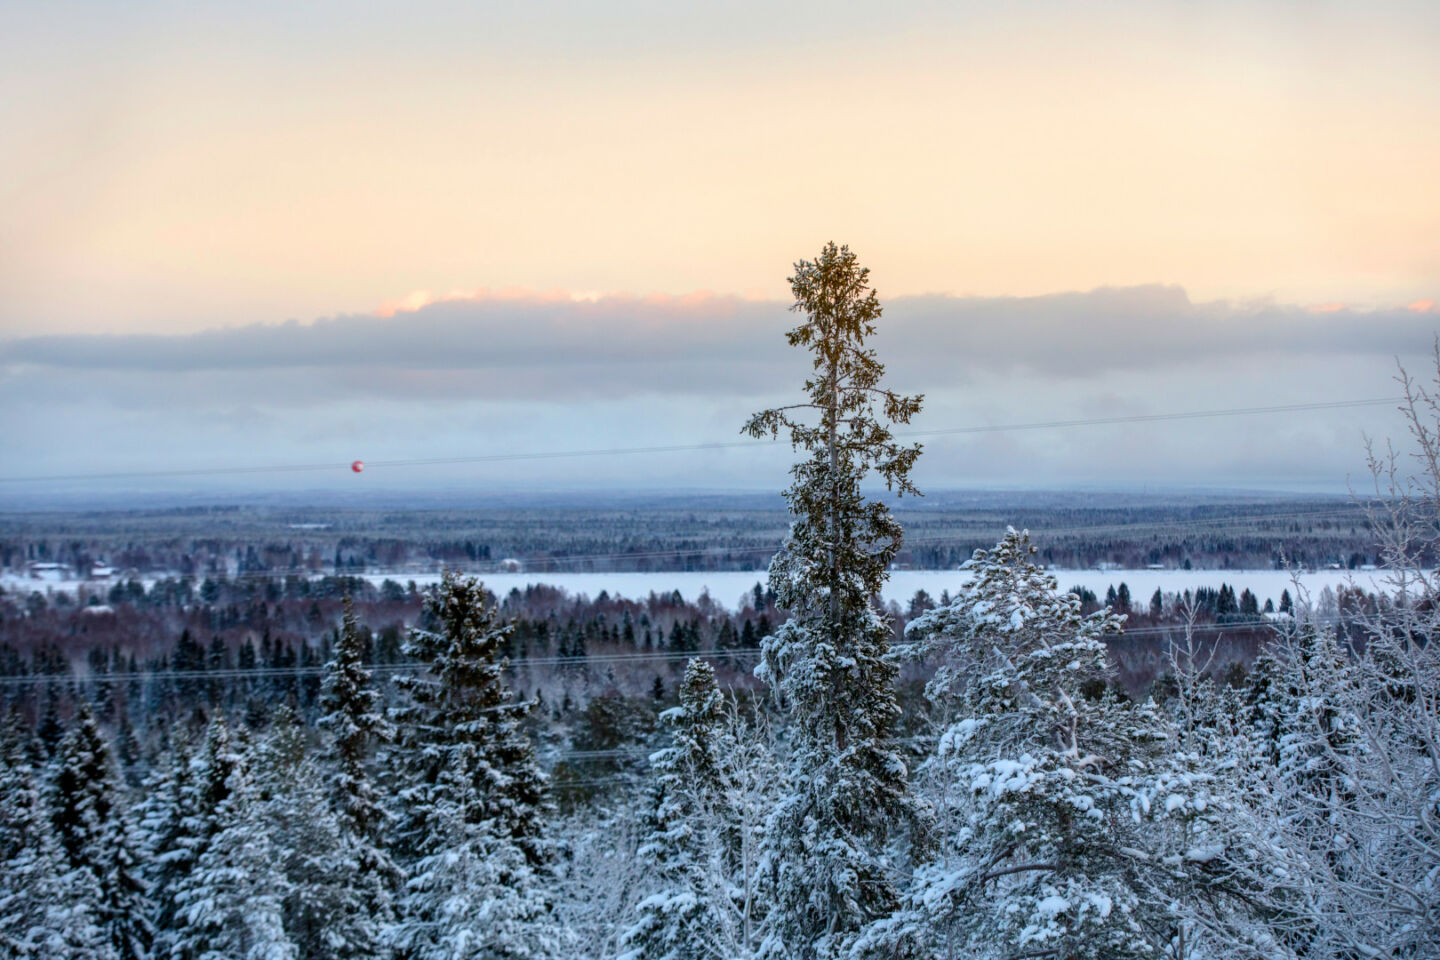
x: 538, y: 348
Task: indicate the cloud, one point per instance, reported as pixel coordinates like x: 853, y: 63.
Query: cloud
x: 559, y: 349
x: 487, y: 332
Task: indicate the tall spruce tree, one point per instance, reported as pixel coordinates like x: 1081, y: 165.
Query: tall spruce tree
x: 232, y: 902
x: 96, y: 835
x: 197, y: 807
x: 675, y: 921
x: 474, y: 796
x: 48, y: 908
x: 463, y: 721
x: 826, y: 842
x: 350, y: 710
x: 350, y: 705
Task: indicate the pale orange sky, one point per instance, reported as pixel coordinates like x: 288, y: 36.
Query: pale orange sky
x: 169, y: 172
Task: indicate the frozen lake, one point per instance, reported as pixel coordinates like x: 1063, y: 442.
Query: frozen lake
x: 728, y: 588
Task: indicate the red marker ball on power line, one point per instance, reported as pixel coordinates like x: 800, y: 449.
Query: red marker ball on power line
x: 358, y: 465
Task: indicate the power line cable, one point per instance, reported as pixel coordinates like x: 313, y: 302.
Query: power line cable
x: 693, y: 447
x: 1154, y: 417
x: 601, y: 659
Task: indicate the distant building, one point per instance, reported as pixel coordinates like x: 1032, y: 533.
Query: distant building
x: 101, y: 571
x: 511, y: 565
x: 52, y: 572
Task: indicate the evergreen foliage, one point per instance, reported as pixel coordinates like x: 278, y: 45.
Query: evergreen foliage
x: 231, y: 903
x: 195, y: 807
x: 48, y: 907
x: 352, y: 715
x: 91, y: 822
x: 712, y: 791
x: 473, y: 808
x: 675, y: 922
x: 462, y: 737
x: 826, y: 844
x: 1038, y: 780
x: 332, y: 907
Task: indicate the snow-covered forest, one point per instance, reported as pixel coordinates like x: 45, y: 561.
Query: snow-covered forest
x: 1025, y: 806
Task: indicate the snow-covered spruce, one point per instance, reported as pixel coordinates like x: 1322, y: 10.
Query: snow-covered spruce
x: 170, y: 839
x: 93, y: 825
x: 48, y: 908
x: 352, y: 715
x: 827, y: 846
x: 1038, y: 777
x: 711, y: 791
x: 473, y: 805
x: 336, y: 906
x: 231, y: 903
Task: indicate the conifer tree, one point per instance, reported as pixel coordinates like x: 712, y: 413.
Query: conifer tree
x: 166, y: 820
x: 826, y: 842
x: 1262, y: 711
x: 1317, y: 719
x: 1043, y: 784
x: 674, y: 922
x: 712, y: 789
x: 96, y: 835
x: 476, y: 896
x: 48, y: 908
x: 463, y: 720
x: 197, y: 809
x: 127, y: 750
x: 231, y: 904
x: 474, y: 795
x: 51, y: 730
x: 350, y: 711
x: 333, y: 907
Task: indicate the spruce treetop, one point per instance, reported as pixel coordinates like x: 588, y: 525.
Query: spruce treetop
x: 844, y: 434
x: 462, y: 735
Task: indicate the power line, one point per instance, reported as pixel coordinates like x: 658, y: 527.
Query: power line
x: 1153, y: 417
x: 601, y: 659
x: 694, y: 447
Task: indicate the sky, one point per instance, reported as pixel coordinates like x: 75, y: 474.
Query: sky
x: 263, y: 233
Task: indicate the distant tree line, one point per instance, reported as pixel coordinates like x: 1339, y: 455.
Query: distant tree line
x: 1225, y: 535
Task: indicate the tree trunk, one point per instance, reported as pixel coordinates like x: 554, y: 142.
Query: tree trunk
x: 834, y: 524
